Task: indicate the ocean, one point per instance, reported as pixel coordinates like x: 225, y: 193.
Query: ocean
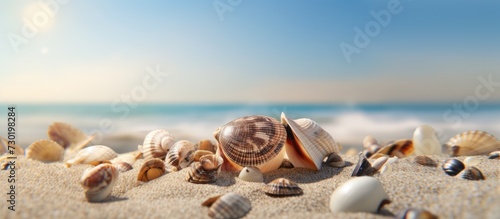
x: 124, y: 127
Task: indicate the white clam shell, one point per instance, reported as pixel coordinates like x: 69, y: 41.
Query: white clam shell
x: 178, y: 156
x: 92, y: 155
x: 307, y: 143
x: 426, y: 141
x: 379, y: 162
x: 69, y: 137
x: 472, y: 161
x: 99, y: 181
x: 156, y: 144
x: 251, y: 174
x: 45, y: 150
x: 360, y: 194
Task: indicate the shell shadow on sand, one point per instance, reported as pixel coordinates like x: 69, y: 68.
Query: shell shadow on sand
x: 303, y: 175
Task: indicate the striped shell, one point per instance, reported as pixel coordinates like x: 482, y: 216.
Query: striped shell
x: 307, y: 143
x: 156, y: 144
x: 282, y: 187
x: 45, y: 150
x: 204, y: 171
x: 69, y: 137
x: 251, y: 141
x: 151, y: 169
x: 179, y: 156
x: 98, y: 182
x: 92, y: 155
x: 122, y: 166
x: 401, y: 148
x: 251, y: 174
x: 230, y: 205
x: 471, y: 173
x: 424, y: 161
x: 472, y: 143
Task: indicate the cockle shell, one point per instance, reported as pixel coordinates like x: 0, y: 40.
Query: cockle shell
x: 98, y: 182
x: 251, y: 141
x: 334, y: 160
x: 45, y: 150
x: 401, y: 148
x: 251, y: 174
x: 205, y: 171
x: 92, y: 155
x: 426, y: 141
x: 282, y: 187
x: 230, y: 205
x: 122, y: 166
x: 472, y: 143
x: 69, y: 137
x: 360, y: 194
x: 179, y: 156
x: 363, y: 167
x: 307, y: 143
x: 413, y: 213
x: 424, y: 161
x: 471, y: 173
x: 494, y: 155
x: 156, y: 144
x: 151, y: 169
x: 453, y: 166
x: 4, y: 149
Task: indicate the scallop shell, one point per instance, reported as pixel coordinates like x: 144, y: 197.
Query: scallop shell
x: 205, y: 171
x: 156, y: 144
x: 471, y: 173
x: 360, y: 194
x: 69, y: 137
x: 99, y: 181
x: 92, y: 155
x: 401, y: 148
x: 206, y: 145
x: 151, y: 169
x: 18, y: 150
x: 426, y: 141
x: 472, y: 143
x: 363, y: 167
x: 230, y: 205
x: 334, y: 160
x: 251, y: 174
x: 45, y: 150
x: 251, y: 141
x: 122, y: 166
x: 307, y: 143
x: 494, y: 155
x: 453, y: 166
x: 282, y: 187
x: 424, y: 160
x: 413, y: 213
x: 179, y: 156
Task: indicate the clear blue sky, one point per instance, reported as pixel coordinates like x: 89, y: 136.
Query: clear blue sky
x: 261, y: 51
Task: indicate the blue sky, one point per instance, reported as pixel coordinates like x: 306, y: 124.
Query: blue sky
x: 262, y: 51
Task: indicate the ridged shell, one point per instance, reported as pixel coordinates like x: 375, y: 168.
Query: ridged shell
x: 282, y: 187
x: 426, y: 141
x: 211, y: 162
x: 206, y: 145
x: 363, y: 167
x: 45, y: 150
x: 230, y: 205
x: 494, y: 155
x: 198, y: 154
x: 251, y: 174
x: 156, y: 144
x: 122, y: 166
x: 99, y: 181
x: 401, y: 148
x: 334, y: 160
x: 251, y: 141
x: 453, y: 166
x: 307, y: 143
x: 360, y: 194
x: 92, y: 155
x: 472, y: 143
x: 69, y: 137
x: 413, y: 213
x: 179, y: 156
x: 424, y: 160
x: 471, y: 173
x: 151, y: 169
x: 206, y: 170
x: 18, y: 150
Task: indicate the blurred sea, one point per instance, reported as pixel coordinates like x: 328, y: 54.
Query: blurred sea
x: 124, y: 127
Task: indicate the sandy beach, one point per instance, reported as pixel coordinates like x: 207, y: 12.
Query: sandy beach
x: 53, y: 191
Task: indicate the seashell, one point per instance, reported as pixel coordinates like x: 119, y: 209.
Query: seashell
x: 45, y: 150
x: 401, y: 148
x: 424, y: 160
x: 453, y: 166
x: 69, y: 137
x: 207, y: 145
x: 5, y: 162
x: 426, y: 141
x: 360, y: 194
x: 251, y: 174
x: 92, y: 155
x: 472, y: 143
x: 471, y: 173
x: 472, y: 161
x: 251, y: 141
x: 18, y: 150
x: 307, y: 143
x: 413, y: 213
x: 286, y: 164
x: 282, y: 187
x: 156, y: 144
x: 179, y: 156
x: 204, y: 171
x: 211, y: 162
x: 334, y: 160
x: 151, y: 169
x: 122, y: 166
x: 198, y: 154
x: 379, y: 162
x: 98, y: 182
x: 494, y: 155
x: 230, y: 205
x: 363, y: 168
x: 369, y: 141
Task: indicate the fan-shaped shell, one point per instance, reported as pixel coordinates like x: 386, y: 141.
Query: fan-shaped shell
x: 69, y: 137
x: 179, y: 156
x: 251, y: 174
x: 230, y: 205
x: 45, y: 150
x: 18, y: 150
x: 401, y: 148
x: 156, y: 144
x: 99, y: 181
x: 426, y: 141
x: 360, y: 194
x: 151, y: 169
x: 307, y: 143
x: 251, y: 141
x: 472, y: 143
x: 92, y: 155
x: 282, y: 187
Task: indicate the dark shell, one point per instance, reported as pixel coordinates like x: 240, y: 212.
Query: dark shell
x: 453, y: 166
x: 282, y: 187
x: 363, y: 168
x: 471, y: 173
x: 414, y: 213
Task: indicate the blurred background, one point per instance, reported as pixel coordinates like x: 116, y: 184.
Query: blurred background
x: 121, y: 68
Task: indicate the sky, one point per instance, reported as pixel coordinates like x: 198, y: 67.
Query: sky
x: 283, y: 51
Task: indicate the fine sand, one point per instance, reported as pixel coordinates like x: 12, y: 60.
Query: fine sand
x: 53, y: 191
